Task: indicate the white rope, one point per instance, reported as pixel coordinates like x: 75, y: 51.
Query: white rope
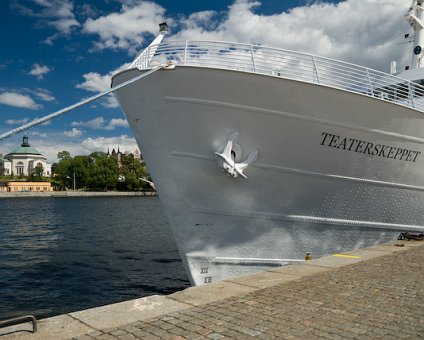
x: 41, y: 120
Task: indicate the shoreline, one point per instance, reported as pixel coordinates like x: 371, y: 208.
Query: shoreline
x: 78, y: 194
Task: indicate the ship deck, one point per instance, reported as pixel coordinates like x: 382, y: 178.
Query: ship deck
x: 374, y: 292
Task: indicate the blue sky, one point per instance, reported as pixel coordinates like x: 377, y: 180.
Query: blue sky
x: 57, y: 52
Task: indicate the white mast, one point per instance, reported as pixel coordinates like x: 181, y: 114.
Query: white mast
x: 415, y: 18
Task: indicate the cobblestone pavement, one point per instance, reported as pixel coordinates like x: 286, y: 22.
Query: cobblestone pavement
x: 381, y: 298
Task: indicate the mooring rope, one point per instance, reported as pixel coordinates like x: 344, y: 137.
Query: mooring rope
x: 50, y: 116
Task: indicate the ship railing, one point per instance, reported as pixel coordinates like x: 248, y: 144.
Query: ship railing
x: 286, y: 64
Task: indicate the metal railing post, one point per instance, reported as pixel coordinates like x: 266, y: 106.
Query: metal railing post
x: 315, y: 70
x: 411, y: 94
x: 146, y: 58
x: 371, y: 90
x: 253, y: 58
x: 185, y: 51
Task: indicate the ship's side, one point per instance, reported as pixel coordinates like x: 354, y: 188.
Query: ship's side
x: 335, y: 169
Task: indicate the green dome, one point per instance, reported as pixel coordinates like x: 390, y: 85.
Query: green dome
x: 24, y: 149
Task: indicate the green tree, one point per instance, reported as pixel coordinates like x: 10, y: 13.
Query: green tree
x: 132, y: 170
x: 98, y: 171
x: 63, y: 155
x: 62, y: 172
x: 103, y: 172
x: 38, y: 171
x: 80, y: 171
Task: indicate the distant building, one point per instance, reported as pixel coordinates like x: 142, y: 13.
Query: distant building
x: 118, y: 155
x: 23, y: 161
x: 5, y: 166
x: 20, y: 186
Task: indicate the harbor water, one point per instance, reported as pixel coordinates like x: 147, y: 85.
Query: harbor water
x: 59, y: 255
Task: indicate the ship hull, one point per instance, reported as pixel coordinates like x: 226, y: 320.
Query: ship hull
x: 335, y: 170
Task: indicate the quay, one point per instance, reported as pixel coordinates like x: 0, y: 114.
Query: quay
x: 71, y: 193
x: 371, y: 293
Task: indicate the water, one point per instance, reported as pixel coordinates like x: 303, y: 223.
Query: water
x: 59, y: 255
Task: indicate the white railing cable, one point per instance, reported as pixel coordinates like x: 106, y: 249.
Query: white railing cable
x: 293, y: 65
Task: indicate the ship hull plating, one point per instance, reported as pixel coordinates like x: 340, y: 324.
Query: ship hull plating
x: 335, y: 170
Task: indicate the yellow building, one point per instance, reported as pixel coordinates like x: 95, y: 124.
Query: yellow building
x: 26, y: 186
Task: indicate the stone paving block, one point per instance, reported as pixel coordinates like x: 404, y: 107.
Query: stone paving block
x: 302, y: 269
x: 378, y: 295
x: 58, y: 327
x: 264, y: 279
x: 201, y: 295
x: 333, y: 261
x: 128, y: 311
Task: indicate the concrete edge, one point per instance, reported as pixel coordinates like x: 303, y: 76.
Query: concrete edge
x: 91, y: 321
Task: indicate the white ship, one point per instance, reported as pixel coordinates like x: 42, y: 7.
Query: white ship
x: 261, y: 155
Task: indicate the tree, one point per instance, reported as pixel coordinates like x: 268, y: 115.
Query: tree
x: 62, y: 171
x: 132, y: 170
x: 103, y: 172
x: 38, y: 170
x: 98, y: 171
x: 63, y: 155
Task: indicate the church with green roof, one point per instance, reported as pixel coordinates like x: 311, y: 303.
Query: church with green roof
x: 23, y: 160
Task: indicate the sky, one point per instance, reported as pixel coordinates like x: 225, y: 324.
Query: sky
x: 55, y: 53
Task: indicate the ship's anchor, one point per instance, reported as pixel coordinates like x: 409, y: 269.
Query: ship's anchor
x: 227, y: 158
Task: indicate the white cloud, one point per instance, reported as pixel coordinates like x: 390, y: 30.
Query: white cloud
x: 96, y: 82
x: 39, y: 70
x: 126, y: 29
x: 77, y: 147
x: 17, y: 121
x: 124, y: 143
x: 364, y: 32
x: 57, y: 14
x: 39, y: 134
x: 49, y: 145
x: 95, y: 124
x: 100, y: 123
x: 44, y: 95
x: 73, y: 133
x: 118, y: 122
x: 18, y: 100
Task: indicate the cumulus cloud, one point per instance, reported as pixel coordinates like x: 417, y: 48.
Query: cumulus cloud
x: 39, y: 70
x: 365, y: 32
x: 124, y: 142
x: 57, y: 14
x: 44, y: 95
x: 96, y: 82
x: 118, y: 122
x: 73, y: 133
x: 75, y: 146
x: 17, y: 121
x: 100, y: 123
x: 18, y: 100
x: 126, y: 29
